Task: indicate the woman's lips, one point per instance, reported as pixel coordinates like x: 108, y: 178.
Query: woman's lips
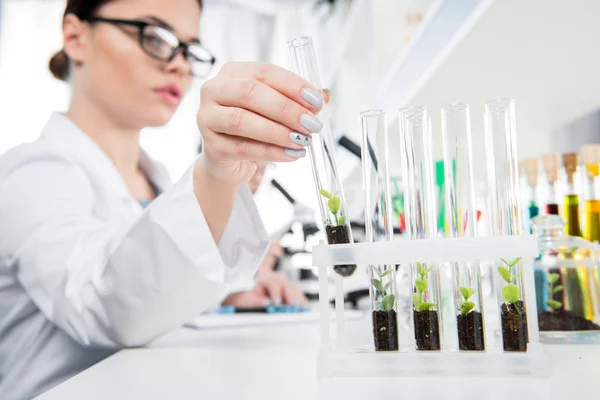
x: 170, y: 94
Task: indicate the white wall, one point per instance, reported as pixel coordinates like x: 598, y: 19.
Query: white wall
x: 543, y: 53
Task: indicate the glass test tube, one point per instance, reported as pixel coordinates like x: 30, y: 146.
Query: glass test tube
x: 551, y: 165
x: 590, y: 157
x: 379, y: 227
x: 420, y: 213
x: 505, y: 213
x: 530, y: 170
x: 462, y: 222
x: 321, y: 151
x: 571, y: 205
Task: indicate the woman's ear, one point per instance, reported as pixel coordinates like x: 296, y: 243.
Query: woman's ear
x: 75, y: 32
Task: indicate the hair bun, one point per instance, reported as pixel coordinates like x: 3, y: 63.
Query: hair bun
x: 59, y: 65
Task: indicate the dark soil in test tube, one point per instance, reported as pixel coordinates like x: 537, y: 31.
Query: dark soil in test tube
x: 564, y: 320
x: 427, y: 330
x: 340, y: 235
x: 385, y: 330
x: 470, y: 331
x: 514, y: 327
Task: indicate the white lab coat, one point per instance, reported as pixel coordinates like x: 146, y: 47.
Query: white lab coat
x: 85, y: 270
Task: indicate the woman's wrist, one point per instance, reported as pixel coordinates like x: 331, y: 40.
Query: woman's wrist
x: 204, y: 179
x: 215, y: 197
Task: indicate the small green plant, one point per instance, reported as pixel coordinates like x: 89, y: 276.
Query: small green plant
x: 421, y: 285
x: 510, y: 292
x: 465, y: 305
x: 553, y: 304
x: 388, y: 299
x: 334, y: 204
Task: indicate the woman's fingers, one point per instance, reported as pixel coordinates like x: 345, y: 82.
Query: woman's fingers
x: 285, y: 82
x: 266, y: 101
x: 275, y: 290
x: 292, y: 295
x: 227, y: 147
x: 247, y: 124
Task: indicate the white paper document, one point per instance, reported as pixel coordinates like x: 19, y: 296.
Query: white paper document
x: 214, y: 320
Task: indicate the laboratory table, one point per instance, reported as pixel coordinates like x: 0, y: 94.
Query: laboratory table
x: 279, y: 363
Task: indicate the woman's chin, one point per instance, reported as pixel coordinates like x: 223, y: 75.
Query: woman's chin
x: 160, y: 117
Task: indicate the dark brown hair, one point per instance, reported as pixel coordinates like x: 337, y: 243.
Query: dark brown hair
x: 59, y: 63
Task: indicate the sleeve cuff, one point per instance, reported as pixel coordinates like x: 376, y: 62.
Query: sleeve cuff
x: 242, y: 246
x: 245, y: 241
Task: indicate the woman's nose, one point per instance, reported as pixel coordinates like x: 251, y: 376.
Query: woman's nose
x: 179, y: 64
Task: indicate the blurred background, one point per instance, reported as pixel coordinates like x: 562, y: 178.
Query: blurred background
x: 372, y: 54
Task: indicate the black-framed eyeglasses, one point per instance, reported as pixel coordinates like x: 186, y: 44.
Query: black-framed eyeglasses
x: 162, y: 43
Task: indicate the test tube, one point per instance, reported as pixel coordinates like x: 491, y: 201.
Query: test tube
x: 505, y: 213
x: 321, y: 151
x: 462, y: 222
x: 551, y: 164
x: 379, y: 227
x: 420, y: 213
x: 530, y: 170
x: 590, y: 157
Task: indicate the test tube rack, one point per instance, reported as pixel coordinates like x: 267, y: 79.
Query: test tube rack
x: 337, y: 360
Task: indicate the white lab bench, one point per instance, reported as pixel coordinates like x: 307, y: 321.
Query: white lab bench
x: 279, y: 362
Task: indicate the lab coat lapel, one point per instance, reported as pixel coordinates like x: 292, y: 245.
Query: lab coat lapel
x: 80, y: 146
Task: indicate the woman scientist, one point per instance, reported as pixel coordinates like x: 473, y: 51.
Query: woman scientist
x: 84, y: 268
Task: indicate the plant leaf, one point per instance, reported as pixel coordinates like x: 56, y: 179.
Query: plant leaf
x: 466, y: 307
x: 416, y: 297
x: 511, y: 293
x: 387, y: 287
x: 505, y: 274
x: 557, y: 289
x: 515, y: 262
x: 377, y: 285
x: 421, y: 285
x: 334, y: 204
x: 388, y: 302
x: 429, y: 270
x: 325, y: 193
x: 553, y: 278
x: 342, y: 220
x: 386, y: 273
x: 420, y: 268
x: 466, y: 292
x: 426, y: 306
x: 553, y: 304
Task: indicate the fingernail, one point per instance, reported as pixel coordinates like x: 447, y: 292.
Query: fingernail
x: 266, y: 303
x: 278, y: 301
x: 311, y: 123
x: 312, y: 97
x: 300, y: 138
x: 295, y: 153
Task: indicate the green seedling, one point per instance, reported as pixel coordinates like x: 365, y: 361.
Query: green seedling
x: 421, y: 285
x: 465, y: 305
x: 388, y: 301
x: 552, y: 289
x: 334, y: 205
x: 510, y: 292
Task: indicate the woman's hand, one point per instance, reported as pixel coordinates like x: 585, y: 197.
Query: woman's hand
x: 255, y: 112
x: 271, y: 288
x: 273, y: 254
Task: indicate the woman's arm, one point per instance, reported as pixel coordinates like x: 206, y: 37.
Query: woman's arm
x: 116, y: 280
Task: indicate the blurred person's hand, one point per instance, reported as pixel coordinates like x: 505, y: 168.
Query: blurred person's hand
x: 255, y: 113
x: 273, y: 254
x: 271, y: 288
